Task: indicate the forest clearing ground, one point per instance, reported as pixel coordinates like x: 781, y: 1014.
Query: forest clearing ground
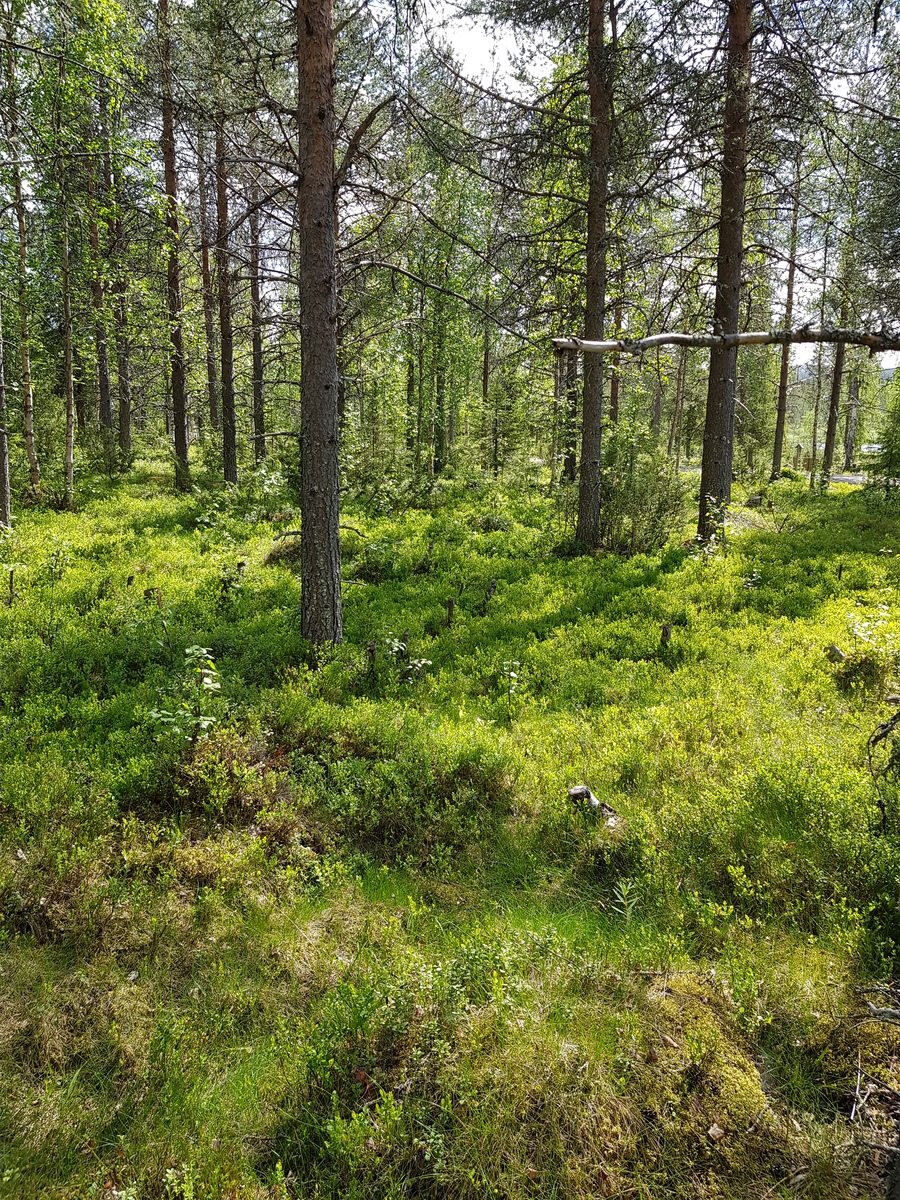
x: 273, y: 928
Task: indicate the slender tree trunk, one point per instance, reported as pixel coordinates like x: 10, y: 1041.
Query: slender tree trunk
x: 440, y: 392
x: 781, y: 418
x: 486, y: 377
x: 554, y: 413
x: 834, y: 407
x: 320, y: 552
x: 614, y: 372
x: 68, y: 360
x: 5, y: 501
x: 420, y: 414
x: 101, y: 337
x: 178, y: 381
x: 226, y: 331
x: 209, y: 300
x: 718, y: 441
x: 410, y: 387
x: 679, y: 401
x: 852, y: 417
x: 115, y: 232
x: 570, y: 462
x: 80, y: 398
x: 587, y: 530
x: 123, y: 339
x: 259, y: 412
x: 12, y: 110
x: 815, y: 428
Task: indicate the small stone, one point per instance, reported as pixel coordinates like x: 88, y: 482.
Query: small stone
x: 132, y: 976
x: 716, y: 1132
x: 834, y: 654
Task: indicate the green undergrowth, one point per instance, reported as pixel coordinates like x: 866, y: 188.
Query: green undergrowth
x: 275, y: 925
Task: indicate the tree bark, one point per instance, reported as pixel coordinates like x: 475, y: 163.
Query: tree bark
x: 209, y: 302
x: 321, y: 618
x: 718, y: 432
x: 115, y: 232
x: 852, y: 418
x: 68, y: 361
x: 226, y: 331
x: 570, y: 462
x: 410, y: 386
x: 5, y: 500
x: 781, y: 418
x: 554, y: 414
x: 12, y: 111
x: 614, y: 373
x: 440, y: 391
x: 587, y: 530
x: 834, y: 409
x: 123, y: 339
x: 101, y: 338
x: 259, y: 412
x: 675, y: 429
x: 177, y: 378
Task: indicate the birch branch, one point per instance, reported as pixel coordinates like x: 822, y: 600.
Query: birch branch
x: 764, y: 337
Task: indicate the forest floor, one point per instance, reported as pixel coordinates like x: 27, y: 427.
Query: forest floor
x: 271, y: 928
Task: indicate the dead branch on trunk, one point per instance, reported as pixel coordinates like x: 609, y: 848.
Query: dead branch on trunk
x: 875, y: 341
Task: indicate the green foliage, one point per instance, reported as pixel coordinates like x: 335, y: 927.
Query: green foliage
x: 275, y: 925
x: 641, y: 497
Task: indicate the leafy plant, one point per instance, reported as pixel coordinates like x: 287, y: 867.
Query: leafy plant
x: 193, y: 716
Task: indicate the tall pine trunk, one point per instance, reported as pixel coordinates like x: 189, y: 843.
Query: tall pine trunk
x: 209, y: 300
x: 321, y: 618
x: 177, y: 378
x: 718, y: 432
x: 27, y: 388
x: 587, y: 530
x: 259, y: 412
x: 781, y: 417
x: 226, y: 331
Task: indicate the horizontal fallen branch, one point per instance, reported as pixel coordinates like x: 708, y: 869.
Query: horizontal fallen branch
x: 296, y: 532
x: 765, y: 337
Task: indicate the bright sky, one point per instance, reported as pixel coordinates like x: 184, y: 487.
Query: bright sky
x: 482, y: 52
